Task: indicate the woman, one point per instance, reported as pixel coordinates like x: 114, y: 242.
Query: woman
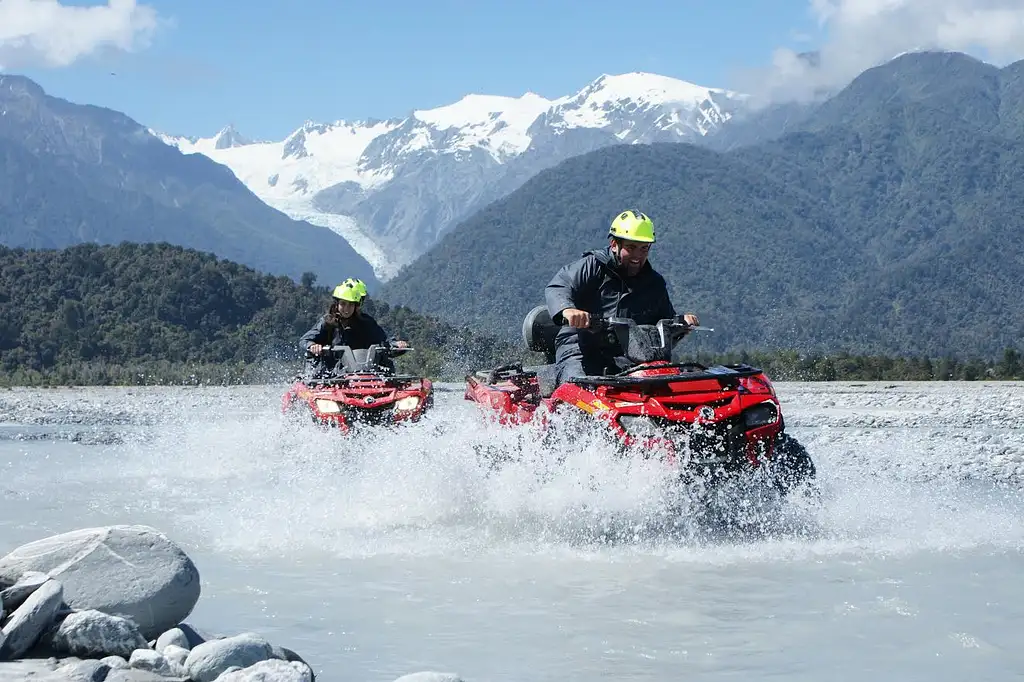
x: 346, y: 325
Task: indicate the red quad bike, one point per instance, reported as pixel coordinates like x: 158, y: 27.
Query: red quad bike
x: 360, y: 391
x: 712, y: 422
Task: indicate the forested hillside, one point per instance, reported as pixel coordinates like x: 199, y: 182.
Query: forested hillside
x: 155, y: 312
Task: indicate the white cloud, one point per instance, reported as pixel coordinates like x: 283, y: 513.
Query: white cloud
x: 864, y: 33
x: 47, y: 33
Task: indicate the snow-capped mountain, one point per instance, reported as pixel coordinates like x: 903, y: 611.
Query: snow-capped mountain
x: 393, y: 187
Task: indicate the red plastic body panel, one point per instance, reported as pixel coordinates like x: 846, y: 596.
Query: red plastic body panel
x: 515, y: 400
x: 360, y: 392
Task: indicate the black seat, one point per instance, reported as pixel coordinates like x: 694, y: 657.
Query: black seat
x: 539, y: 332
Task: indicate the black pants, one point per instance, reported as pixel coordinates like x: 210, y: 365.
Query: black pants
x: 571, y: 361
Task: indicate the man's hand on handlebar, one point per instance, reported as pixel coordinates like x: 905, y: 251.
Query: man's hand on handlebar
x: 315, y: 348
x: 400, y: 344
x: 581, y: 319
x: 574, y: 317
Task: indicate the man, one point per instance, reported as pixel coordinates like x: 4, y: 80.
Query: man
x: 617, y: 281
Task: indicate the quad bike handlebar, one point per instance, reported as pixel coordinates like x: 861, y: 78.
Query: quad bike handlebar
x: 599, y: 324
x: 346, y: 360
x: 337, y: 351
x: 641, y: 343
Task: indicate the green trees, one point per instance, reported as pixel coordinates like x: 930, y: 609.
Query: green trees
x: 152, y: 313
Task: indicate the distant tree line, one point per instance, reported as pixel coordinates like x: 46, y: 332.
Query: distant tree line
x: 143, y: 314
x: 791, y: 365
x: 157, y: 313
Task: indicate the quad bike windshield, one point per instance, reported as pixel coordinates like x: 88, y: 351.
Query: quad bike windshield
x: 348, y: 360
x: 640, y: 343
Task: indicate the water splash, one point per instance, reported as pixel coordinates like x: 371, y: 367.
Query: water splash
x: 223, y: 467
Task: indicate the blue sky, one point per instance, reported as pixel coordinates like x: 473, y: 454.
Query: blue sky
x: 267, y: 65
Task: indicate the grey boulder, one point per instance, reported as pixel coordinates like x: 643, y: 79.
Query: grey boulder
x: 153, y: 661
x: 30, y: 620
x: 94, y: 633
x: 175, y: 636
x: 130, y: 571
x: 15, y: 595
x: 272, y: 670
x: 85, y: 671
x: 208, y: 660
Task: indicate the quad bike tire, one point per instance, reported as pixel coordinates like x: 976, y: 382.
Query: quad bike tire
x: 792, y: 464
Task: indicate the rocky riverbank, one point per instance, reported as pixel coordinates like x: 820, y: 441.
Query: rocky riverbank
x: 109, y: 605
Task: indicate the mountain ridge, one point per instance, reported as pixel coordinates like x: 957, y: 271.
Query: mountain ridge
x: 365, y: 180
x: 72, y: 173
x: 893, y: 230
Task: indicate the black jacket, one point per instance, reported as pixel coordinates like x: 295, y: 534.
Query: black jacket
x: 363, y: 333
x: 594, y: 284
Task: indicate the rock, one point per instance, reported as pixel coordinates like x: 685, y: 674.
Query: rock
x: 428, y: 676
x: 153, y: 661
x: 30, y: 620
x: 31, y: 670
x: 176, y: 657
x: 133, y: 675
x: 208, y: 660
x: 286, y: 654
x: 85, y: 671
x: 130, y: 571
x: 175, y: 636
x: 195, y: 636
x: 94, y: 633
x: 13, y: 597
x: 272, y: 670
x: 115, y: 662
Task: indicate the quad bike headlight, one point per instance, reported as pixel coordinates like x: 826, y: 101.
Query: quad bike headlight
x: 639, y: 426
x: 327, y: 406
x: 761, y: 414
x: 408, y: 403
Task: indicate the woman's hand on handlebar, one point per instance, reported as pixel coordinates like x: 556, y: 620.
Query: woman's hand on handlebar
x: 691, y: 319
x: 315, y: 348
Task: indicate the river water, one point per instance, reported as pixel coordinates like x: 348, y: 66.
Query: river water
x: 392, y: 553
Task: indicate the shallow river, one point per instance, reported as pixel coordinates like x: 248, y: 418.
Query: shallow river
x: 387, y: 554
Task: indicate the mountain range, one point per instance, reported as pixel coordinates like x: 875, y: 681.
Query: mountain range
x: 888, y: 218
x: 885, y: 218
x: 72, y: 173
x: 392, y: 188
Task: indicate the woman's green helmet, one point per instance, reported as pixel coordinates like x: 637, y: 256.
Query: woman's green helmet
x: 351, y: 290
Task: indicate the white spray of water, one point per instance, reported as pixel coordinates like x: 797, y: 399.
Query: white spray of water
x: 247, y: 480
x: 223, y: 468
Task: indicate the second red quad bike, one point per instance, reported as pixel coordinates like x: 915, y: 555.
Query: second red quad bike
x: 709, y: 421
x: 361, y: 390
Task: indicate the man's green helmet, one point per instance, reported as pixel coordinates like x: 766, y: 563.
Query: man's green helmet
x: 634, y: 226
x: 350, y: 290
